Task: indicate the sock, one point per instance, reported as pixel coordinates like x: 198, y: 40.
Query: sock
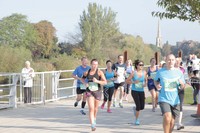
x: 83, y: 105
x: 115, y: 99
x: 180, y: 118
x: 120, y: 101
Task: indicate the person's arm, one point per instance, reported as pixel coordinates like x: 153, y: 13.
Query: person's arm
x: 181, y: 81
x: 75, y: 76
x: 157, y: 82
x: 129, y: 79
x: 145, y: 78
x: 103, y: 80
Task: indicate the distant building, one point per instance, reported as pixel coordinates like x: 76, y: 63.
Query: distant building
x: 159, y: 38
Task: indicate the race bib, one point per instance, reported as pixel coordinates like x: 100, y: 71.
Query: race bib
x: 170, y: 84
x: 120, y: 73
x: 93, y: 86
x: 127, y: 75
x: 139, y: 85
x: 153, y: 75
x: 82, y: 87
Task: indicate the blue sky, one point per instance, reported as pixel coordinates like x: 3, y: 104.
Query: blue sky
x: 134, y: 17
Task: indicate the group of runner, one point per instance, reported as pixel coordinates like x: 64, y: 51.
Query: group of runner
x: 167, y: 81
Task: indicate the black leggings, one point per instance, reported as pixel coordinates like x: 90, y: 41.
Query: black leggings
x: 108, y: 93
x: 181, y: 97
x: 127, y: 88
x: 139, y: 99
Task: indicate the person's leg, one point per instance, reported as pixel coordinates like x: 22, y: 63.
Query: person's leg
x: 96, y: 105
x: 153, y: 99
x: 181, y: 97
x: 156, y: 99
x: 25, y: 94
x: 29, y: 94
x: 83, y: 103
x: 78, y: 96
x: 115, y: 94
x: 91, y: 106
x: 121, y: 96
x: 167, y: 119
x: 106, y: 95
x: 111, y: 91
x: 142, y: 100
x: 127, y: 91
x: 167, y: 116
x: 136, y: 99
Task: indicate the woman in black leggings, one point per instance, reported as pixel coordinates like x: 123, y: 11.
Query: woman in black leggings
x: 109, y: 87
x: 138, y: 79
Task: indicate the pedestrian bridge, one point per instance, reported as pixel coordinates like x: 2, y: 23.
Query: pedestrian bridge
x: 62, y: 117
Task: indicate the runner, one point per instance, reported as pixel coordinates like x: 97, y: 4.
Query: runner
x: 138, y: 79
x: 151, y: 71
x: 129, y: 69
x: 178, y: 65
x: 168, y: 81
x: 80, y: 89
x: 109, y: 87
x: 119, y: 67
x: 95, y: 78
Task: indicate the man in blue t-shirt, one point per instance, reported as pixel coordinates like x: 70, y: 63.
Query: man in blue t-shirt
x: 80, y: 88
x: 168, y: 80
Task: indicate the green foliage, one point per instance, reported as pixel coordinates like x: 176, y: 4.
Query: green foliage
x: 46, y: 39
x: 64, y: 62
x: 97, y: 25
x: 181, y: 9
x: 12, y: 59
x: 17, y: 31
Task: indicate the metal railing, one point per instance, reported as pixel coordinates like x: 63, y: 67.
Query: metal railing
x: 47, y: 86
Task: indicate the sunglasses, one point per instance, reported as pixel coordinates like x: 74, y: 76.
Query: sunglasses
x: 141, y: 64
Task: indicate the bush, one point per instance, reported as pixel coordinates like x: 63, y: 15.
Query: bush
x: 65, y: 62
x: 13, y: 59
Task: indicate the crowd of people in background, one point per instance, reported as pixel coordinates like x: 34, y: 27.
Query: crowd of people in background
x: 165, y: 82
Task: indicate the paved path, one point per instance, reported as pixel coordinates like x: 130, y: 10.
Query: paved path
x: 61, y: 116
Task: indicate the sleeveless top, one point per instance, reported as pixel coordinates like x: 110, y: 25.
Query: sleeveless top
x: 108, y: 76
x: 92, y: 85
x: 151, y: 74
x: 139, y: 86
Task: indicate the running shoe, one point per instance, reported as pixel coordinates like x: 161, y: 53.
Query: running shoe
x: 102, y: 106
x: 82, y: 112
x: 195, y: 103
x: 120, y: 105
x: 114, y: 104
x: 137, y: 122
x: 153, y: 109
x: 180, y: 126
x: 76, y: 104
x: 109, y: 111
x: 93, y: 127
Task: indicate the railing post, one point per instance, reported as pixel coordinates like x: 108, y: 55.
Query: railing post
x: 42, y: 89
x: 20, y: 89
x: 13, y: 98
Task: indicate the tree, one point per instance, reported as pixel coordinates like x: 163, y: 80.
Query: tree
x: 181, y: 9
x: 47, y: 39
x: 16, y: 31
x: 97, y: 24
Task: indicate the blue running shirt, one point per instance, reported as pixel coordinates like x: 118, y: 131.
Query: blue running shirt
x: 79, y: 73
x: 139, y: 86
x: 169, y: 80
